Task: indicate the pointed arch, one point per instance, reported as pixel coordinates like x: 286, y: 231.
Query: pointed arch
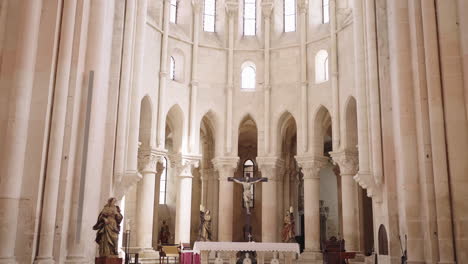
x: 351, y: 133
x: 175, y: 127
x: 321, y: 130
x: 286, y: 129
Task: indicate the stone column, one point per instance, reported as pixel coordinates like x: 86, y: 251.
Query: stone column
x: 125, y: 91
x: 336, y: 139
x: 21, y: 85
x: 302, y: 6
x: 269, y: 166
x: 54, y: 157
x: 267, y: 8
x: 194, y: 83
x: 91, y: 156
x: 404, y: 128
x: 348, y: 163
x: 226, y: 166
x: 311, y: 167
x: 184, y: 165
x: 437, y: 133
x: 161, y: 125
x: 364, y: 176
x: 131, y: 175
x: 157, y: 187
x: 147, y: 165
x: 374, y: 93
x: 231, y: 10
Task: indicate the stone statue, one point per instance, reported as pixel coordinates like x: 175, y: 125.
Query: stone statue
x: 288, y: 234
x: 247, y: 259
x: 164, y: 233
x: 108, y: 228
x: 204, y: 232
x: 247, y: 195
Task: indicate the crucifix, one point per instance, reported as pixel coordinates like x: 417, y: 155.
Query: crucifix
x: 247, y: 183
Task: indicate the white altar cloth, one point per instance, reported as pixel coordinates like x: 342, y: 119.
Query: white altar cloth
x: 245, y: 246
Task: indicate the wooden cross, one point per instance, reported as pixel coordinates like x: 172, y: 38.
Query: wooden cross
x: 247, y: 184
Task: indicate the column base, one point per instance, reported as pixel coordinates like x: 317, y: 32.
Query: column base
x: 76, y: 260
x: 148, y: 254
x: 311, y: 256
x: 8, y: 260
x: 44, y: 260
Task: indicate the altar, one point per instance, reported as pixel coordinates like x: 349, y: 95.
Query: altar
x: 288, y: 250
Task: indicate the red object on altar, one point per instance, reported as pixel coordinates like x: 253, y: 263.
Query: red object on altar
x: 108, y: 260
x: 189, y: 258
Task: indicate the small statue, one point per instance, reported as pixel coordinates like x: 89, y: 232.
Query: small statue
x: 164, y: 233
x: 204, y: 232
x: 108, y: 229
x: 247, y: 259
x: 288, y: 234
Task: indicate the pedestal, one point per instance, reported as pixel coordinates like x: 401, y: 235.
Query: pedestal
x: 108, y: 260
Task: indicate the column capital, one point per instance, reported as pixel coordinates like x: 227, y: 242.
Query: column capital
x: 267, y: 8
x: 184, y: 164
x: 232, y: 8
x: 311, y: 165
x: 302, y: 6
x: 226, y: 166
x: 271, y: 167
x: 347, y: 161
x: 148, y: 159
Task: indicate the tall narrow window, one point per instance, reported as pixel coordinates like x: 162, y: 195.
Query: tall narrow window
x: 321, y: 66
x: 163, y: 184
x: 172, y: 69
x: 248, y: 77
x: 325, y: 11
x: 209, y: 16
x: 173, y: 12
x: 289, y: 15
x: 250, y: 17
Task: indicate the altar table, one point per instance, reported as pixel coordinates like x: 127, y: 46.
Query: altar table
x: 204, y: 248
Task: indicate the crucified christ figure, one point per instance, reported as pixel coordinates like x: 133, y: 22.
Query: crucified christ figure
x: 247, y: 185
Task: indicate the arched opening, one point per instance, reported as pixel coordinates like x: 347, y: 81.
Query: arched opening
x: 247, y: 150
x: 205, y: 185
x: 351, y: 136
x: 383, y: 241
x: 329, y: 181
x: 289, y: 190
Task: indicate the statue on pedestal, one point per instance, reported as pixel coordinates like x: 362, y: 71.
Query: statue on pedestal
x: 288, y: 234
x: 164, y: 233
x: 108, y: 228
x: 204, y: 232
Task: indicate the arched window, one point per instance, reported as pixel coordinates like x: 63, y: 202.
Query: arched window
x: 321, y: 66
x: 173, y: 12
x: 289, y: 15
x: 248, y: 77
x: 163, y: 184
x: 172, y: 69
x: 209, y: 16
x: 325, y: 11
x: 250, y: 17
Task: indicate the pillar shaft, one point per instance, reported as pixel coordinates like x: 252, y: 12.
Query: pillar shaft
x: 184, y: 166
x: 270, y: 167
x: 18, y: 117
x: 161, y: 126
x: 226, y: 167
x: 231, y: 10
x: 54, y: 157
x: 302, y: 7
x: 311, y: 167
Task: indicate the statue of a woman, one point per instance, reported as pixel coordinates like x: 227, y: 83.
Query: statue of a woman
x: 108, y: 228
x: 205, y: 225
x: 288, y: 233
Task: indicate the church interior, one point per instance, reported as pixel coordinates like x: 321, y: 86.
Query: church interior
x: 253, y: 121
